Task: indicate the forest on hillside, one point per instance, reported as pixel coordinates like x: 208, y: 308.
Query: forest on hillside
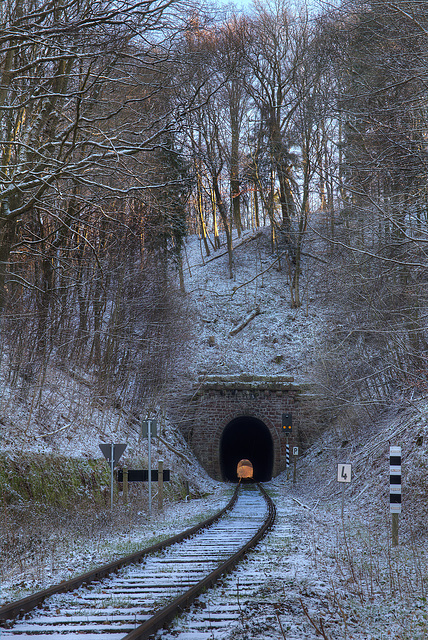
x: 125, y: 126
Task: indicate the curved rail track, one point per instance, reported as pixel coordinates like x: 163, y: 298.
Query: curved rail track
x: 132, y: 598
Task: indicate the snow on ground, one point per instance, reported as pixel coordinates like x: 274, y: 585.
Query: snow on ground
x: 121, y: 532
x: 326, y: 576
x: 279, y: 341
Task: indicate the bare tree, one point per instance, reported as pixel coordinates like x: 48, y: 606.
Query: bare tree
x: 91, y: 97
x: 285, y: 87
x: 272, y: 58
x: 381, y: 105
x: 214, y: 131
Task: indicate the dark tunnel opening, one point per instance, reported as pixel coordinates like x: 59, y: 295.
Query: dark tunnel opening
x: 246, y: 437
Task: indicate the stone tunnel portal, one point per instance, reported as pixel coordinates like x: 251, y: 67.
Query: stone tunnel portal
x: 246, y: 437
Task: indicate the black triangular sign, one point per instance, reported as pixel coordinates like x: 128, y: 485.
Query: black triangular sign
x: 118, y: 450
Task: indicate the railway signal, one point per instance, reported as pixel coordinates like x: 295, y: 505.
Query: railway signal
x: 287, y: 427
x: 287, y: 423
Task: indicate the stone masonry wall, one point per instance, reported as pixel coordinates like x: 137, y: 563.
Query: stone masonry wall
x: 215, y: 404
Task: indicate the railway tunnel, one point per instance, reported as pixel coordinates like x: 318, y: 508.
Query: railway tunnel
x: 246, y: 437
x: 232, y: 417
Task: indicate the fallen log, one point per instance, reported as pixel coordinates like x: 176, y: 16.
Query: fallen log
x: 244, y: 322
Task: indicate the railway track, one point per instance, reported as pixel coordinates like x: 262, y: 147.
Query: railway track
x: 134, y: 597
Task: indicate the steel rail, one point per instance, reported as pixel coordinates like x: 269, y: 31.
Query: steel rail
x: 15, y: 609
x: 183, y: 602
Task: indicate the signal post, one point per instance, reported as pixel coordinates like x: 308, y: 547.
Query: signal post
x: 287, y: 429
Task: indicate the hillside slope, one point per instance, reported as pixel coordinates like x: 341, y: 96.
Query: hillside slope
x: 278, y: 340
x: 325, y: 572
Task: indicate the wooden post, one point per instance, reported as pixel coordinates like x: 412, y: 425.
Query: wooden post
x: 160, y: 485
x: 125, y: 485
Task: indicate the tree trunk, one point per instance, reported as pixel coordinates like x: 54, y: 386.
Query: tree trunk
x: 227, y: 229
x: 288, y: 206
x: 234, y: 178
x: 7, y: 236
x: 199, y: 206
x: 217, y: 243
x: 256, y: 207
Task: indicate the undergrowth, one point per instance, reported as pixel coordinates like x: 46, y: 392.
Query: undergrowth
x: 52, y: 480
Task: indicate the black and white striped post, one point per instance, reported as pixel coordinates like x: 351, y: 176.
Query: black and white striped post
x: 287, y: 427
x: 395, y: 490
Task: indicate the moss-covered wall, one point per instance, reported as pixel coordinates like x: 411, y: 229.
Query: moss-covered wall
x: 52, y: 480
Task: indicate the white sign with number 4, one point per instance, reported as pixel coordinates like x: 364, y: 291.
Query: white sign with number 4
x: 344, y: 472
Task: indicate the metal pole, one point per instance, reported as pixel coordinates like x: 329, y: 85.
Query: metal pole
x: 343, y: 497
x: 149, y: 424
x: 111, y: 475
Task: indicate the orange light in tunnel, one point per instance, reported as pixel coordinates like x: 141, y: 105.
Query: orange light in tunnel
x: 244, y: 470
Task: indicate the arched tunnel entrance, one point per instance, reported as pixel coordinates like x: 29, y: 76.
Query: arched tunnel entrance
x: 246, y: 437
